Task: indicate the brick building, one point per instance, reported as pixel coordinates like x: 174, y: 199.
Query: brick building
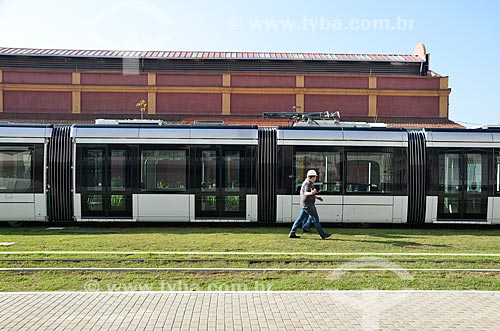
x: 64, y: 86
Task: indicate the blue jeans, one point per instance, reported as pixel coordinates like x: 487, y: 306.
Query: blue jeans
x: 307, y: 223
x: 303, y: 216
x: 309, y: 214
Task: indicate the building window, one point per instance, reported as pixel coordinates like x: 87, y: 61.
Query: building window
x: 369, y: 172
x: 327, y: 165
x: 163, y: 170
x: 16, y: 169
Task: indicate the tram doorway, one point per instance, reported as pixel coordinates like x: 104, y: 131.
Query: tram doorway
x: 463, y: 185
x: 106, y: 182
x: 220, y: 179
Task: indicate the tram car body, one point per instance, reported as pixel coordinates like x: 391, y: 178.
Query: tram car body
x: 152, y: 173
x: 23, y: 176
x: 157, y: 173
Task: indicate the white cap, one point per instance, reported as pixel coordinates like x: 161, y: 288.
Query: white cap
x: 311, y: 173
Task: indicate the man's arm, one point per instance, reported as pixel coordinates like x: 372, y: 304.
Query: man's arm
x: 312, y: 192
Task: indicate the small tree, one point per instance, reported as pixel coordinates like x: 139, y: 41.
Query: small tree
x: 143, y: 107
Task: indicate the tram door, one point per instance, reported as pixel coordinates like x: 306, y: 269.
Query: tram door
x: 106, y: 182
x: 463, y: 188
x: 220, y: 191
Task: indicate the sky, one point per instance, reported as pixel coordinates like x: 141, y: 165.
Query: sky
x: 462, y: 37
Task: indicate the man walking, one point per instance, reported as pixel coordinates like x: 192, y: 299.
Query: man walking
x: 308, y: 208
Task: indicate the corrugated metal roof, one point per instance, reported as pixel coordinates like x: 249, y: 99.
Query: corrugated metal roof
x: 187, y: 55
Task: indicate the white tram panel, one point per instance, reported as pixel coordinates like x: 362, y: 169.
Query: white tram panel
x: 462, y: 139
x: 24, y: 206
x: 165, y: 135
x: 226, y: 136
x: 396, y: 138
x: 284, y: 207
x: 163, y: 207
x: 339, y: 137
x: 330, y: 209
x: 494, y: 202
x: 431, y: 207
x: 346, y: 208
x: 251, y: 207
x: 400, y: 209
x: 25, y: 134
x: 368, y: 209
x: 77, y: 202
x: 494, y: 210
x: 308, y: 137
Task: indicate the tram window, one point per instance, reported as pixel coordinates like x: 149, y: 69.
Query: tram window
x: 232, y: 166
x: 369, y: 172
x: 328, y: 166
x: 92, y: 175
x: 208, y: 175
x: 16, y: 169
x: 118, y: 170
x: 474, y: 176
x: 449, y: 180
x: 163, y: 170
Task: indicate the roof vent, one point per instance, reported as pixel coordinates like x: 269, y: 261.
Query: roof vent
x: 208, y: 123
x: 101, y: 121
x: 486, y: 126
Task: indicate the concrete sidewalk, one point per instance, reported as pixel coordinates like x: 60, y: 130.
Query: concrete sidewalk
x: 275, y: 310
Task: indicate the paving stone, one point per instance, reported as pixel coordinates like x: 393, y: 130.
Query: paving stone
x: 314, y: 310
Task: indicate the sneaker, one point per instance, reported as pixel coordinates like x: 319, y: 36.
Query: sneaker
x: 293, y: 235
x: 306, y: 230
x: 326, y: 235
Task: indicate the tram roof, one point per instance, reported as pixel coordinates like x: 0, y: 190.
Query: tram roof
x: 317, y: 136
x: 139, y: 131
x: 28, y: 130
x: 443, y: 136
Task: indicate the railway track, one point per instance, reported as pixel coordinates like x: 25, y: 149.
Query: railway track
x: 249, y: 261
x: 252, y: 265
x: 218, y: 270
x: 233, y: 253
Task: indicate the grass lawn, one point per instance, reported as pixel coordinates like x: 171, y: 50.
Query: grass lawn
x: 251, y: 239
x: 247, y: 239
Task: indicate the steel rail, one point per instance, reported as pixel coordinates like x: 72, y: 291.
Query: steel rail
x: 97, y: 269
x: 242, y: 253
